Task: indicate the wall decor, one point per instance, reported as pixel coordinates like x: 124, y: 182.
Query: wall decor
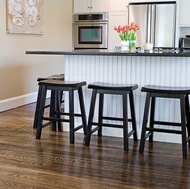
x: 25, y: 16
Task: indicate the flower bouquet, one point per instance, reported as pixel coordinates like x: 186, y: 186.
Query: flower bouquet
x: 127, y: 34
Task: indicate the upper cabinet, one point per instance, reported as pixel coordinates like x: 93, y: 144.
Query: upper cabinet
x: 118, y: 5
x: 85, y: 6
x: 184, y: 13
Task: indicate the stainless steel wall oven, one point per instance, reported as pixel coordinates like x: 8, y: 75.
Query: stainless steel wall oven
x: 90, y: 31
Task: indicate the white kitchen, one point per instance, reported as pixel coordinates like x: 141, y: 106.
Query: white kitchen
x: 53, y: 162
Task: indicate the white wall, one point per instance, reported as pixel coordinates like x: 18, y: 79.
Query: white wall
x: 184, y: 31
x: 18, y: 71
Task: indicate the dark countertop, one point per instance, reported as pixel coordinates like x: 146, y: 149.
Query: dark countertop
x: 113, y: 53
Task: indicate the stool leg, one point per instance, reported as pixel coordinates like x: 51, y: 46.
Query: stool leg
x: 82, y: 109
x: 125, y: 123
x: 183, y: 126
x: 42, y: 99
x: 133, y: 115
x: 90, y: 118
x: 59, y: 101
x: 144, y: 124
x: 152, y: 114
x: 52, y: 113
x: 71, y: 112
x: 187, y: 117
x: 100, y: 114
x: 36, y: 115
x: 55, y: 109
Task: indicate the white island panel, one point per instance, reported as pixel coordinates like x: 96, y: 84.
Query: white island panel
x: 141, y: 70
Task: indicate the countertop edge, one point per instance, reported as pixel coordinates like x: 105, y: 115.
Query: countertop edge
x: 110, y: 53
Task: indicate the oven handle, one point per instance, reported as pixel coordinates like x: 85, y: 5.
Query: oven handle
x: 89, y: 23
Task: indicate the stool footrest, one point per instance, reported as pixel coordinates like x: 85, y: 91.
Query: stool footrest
x: 147, y: 135
x: 67, y: 114
x: 108, y: 125
x: 47, y: 106
x: 94, y: 130
x: 58, y: 119
x: 115, y: 118
x: 163, y: 130
x: 46, y: 124
x: 166, y: 123
x: 131, y: 133
x: 78, y: 127
x: 55, y: 119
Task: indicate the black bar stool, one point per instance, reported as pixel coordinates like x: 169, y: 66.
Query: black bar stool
x: 56, y: 86
x: 154, y: 92
x: 54, y: 77
x: 116, y: 89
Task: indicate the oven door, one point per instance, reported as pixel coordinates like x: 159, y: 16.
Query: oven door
x: 93, y: 35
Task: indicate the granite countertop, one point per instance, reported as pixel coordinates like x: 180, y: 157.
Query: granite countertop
x: 94, y: 52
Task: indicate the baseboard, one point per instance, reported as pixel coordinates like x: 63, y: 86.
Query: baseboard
x: 15, y: 102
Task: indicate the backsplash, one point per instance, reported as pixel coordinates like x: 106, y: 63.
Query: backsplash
x: 184, y: 31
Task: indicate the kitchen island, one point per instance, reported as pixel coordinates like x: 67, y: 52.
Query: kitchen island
x: 167, y: 68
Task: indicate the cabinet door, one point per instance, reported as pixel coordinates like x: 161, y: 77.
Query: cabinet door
x: 184, y: 13
x: 118, y: 5
x: 99, y: 5
x: 81, y: 6
x: 115, y: 19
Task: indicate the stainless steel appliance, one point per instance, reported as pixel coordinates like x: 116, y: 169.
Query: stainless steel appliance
x: 157, y: 22
x: 90, y: 31
x: 184, y: 42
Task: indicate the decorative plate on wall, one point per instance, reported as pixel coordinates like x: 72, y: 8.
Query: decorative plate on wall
x: 25, y: 16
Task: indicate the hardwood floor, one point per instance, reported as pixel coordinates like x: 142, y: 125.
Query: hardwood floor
x: 54, y: 163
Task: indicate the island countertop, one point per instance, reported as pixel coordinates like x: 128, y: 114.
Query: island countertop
x: 163, y: 53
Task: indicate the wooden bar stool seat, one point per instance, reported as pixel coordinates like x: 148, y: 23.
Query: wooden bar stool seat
x: 56, y: 86
x: 152, y: 93
x: 123, y: 90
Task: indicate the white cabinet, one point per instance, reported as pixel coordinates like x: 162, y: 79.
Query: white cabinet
x: 99, y: 5
x: 184, y: 13
x: 115, y: 19
x: 82, y: 6
x: 118, y: 5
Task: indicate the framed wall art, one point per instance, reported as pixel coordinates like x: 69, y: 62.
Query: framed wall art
x: 25, y: 16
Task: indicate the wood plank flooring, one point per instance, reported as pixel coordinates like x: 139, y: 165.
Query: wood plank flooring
x: 52, y: 162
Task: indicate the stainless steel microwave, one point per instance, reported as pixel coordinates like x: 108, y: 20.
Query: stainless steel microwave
x: 90, y: 31
x: 184, y: 42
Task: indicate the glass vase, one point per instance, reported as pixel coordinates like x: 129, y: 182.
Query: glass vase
x: 125, y: 46
x: 132, y: 45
